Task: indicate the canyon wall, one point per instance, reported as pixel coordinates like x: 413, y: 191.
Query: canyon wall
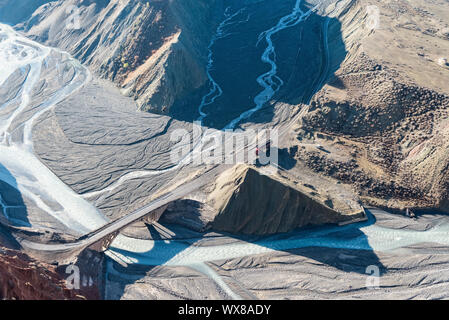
x: 383, y: 115
x: 22, y: 278
x: 156, y: 51
x: 249, y: 202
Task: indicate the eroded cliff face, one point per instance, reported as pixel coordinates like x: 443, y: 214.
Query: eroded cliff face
x: 249, y: 202
x: 156, y: 51
x: 382, y: 118
x: 22, y: 278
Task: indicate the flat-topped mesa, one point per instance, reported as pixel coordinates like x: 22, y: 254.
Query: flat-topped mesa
x: 249, y: 202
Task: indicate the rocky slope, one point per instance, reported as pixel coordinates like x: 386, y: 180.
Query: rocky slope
x: 382, y: 118
x: 22, y: 278
x: 244, y: 200
x: 249, y: 202
x: 155, y: 50
x: 379, y: 125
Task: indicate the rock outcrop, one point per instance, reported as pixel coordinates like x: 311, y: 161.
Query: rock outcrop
x: 155, y: 50
x: 382, y: 117
x: 22, y: 278
x: 249, y: 202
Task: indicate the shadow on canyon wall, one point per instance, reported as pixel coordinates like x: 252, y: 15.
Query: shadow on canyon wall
x: 15, y: 11
x: 12, y: 204
x: 306, y: 55
x: 344, y: 248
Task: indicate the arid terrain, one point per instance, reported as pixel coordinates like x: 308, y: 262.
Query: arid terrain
x: 95, y: 97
